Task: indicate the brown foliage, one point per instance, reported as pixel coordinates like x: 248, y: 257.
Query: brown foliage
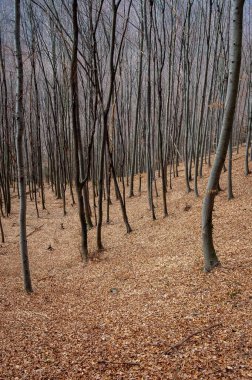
x: 75, y: 327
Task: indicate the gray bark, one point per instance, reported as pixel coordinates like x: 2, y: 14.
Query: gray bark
x: 76, y: 132
x: 210, y: 256
x: 20, y: 156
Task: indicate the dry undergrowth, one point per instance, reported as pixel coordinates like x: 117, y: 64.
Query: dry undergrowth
x: 143, y: 309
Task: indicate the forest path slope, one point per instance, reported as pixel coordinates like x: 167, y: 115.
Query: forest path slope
x: 143, y: 309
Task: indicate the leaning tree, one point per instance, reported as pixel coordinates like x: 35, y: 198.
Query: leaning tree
x: 210, y: 256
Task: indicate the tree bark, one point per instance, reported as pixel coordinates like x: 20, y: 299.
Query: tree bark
x: 76, y: 132
x: 210, y: 256
x: 20, y: 156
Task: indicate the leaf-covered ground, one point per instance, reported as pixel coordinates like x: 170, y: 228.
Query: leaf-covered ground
x: 143, y: 309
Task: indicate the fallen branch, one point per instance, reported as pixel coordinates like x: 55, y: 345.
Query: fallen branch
x: 45, y: 278
x: 32, y: 232
x: 177, y: 345
x: 118, y: 363
x: 36, y: 230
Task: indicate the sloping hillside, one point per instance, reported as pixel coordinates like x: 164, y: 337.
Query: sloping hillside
x: 143, y: 309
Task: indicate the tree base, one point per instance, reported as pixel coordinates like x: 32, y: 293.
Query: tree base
x: 213, y: 264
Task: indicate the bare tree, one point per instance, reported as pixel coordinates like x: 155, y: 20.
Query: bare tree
x: 79, y: 183
x: 210, y: 256
x: 19, y: 148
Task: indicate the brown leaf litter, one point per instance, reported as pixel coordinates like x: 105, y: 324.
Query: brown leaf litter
x: 164, y: 319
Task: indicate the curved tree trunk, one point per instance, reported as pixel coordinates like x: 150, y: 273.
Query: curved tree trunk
x: 211, y: 259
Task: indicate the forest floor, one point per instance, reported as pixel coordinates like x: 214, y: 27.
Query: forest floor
x: 144, y: 308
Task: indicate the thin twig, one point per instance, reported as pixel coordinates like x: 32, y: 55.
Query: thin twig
x: 36, y: 229
x: 118, y: 363
x: 177, y: 345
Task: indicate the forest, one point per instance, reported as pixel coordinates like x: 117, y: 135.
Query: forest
x: 125, y: 189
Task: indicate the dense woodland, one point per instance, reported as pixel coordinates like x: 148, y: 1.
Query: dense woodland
x: 125, y: 181
x: 94, y: 94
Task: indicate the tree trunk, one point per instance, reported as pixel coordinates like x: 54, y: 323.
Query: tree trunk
x: 20, y: 156
x: 249, y: 133
x: 76, y: 132
x: 1, y: 230
x: 230, y: 165
x: 211, y: 259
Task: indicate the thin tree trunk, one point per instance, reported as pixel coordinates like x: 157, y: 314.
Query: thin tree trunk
x: 20, y: 156
x: 211, y: 259
x: 1, y: 229
x: 249, y: 133
x: 76, y: 132
x: 230, y: 164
